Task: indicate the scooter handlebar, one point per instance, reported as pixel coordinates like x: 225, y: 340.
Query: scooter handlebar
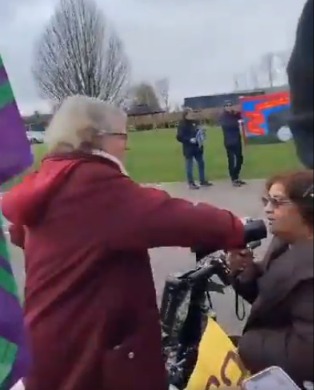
x: 253, y: 245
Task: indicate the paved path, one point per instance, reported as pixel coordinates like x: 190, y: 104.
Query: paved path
x: 243, y: 201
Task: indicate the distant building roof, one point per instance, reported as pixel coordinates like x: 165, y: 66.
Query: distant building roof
x: 265, y: 90
x: 280, y: 88
x: 215, y: 101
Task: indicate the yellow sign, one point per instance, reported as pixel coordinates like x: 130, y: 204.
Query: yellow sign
x: 218, y: 364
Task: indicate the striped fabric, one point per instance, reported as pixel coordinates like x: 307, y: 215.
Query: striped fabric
x: 15, y: 156
x: 15, y: 153
x: 200, y: 136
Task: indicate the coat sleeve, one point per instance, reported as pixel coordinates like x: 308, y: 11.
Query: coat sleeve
x: 17, y: 235
x: 247, y: 290
x: 155, y: 219
x: 290, y: 348
x: 221, y: 120
x: 246, y: 285
x: 183, y: 135
x: 238, y: 116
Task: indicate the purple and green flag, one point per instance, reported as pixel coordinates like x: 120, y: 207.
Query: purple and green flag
x: 15, y: 153
x: 15, y: 157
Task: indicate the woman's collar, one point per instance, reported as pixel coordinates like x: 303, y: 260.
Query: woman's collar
x: 110, y: 157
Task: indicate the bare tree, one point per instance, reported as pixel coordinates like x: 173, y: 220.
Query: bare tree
x: 144, y: 94
x: 236, y: 82
x: 254, y: 79
x: 241, y: 81
x: 273, y: 67
x: 80, y: 53
x: 267, y: 66
x: 284, y: 57
x: 162, y: 88
x: 177, y: 107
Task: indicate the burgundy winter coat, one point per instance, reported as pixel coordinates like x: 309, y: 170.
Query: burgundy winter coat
x: 90, y: 298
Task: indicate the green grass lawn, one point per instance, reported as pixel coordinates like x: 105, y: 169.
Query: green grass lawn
x: 156, y: 156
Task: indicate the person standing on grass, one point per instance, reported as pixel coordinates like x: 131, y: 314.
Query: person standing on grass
x: 192, y: 137
x: 230, y: 122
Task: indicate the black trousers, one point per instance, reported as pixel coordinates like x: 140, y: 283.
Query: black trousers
x: 235, y: 160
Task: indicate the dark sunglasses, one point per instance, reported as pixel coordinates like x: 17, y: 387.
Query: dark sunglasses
x: 275, y: 202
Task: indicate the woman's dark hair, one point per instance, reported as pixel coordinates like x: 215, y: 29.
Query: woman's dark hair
x: 299, y: 188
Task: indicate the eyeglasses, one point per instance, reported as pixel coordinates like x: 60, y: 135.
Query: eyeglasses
x: 120, y: 135
x: 275, y: 202
x: 103, y: 133
x: 309, y: 193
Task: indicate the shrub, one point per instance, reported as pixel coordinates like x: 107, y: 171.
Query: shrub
x: 144, y: 127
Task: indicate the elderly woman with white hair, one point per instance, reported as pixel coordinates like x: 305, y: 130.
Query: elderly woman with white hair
x: 86, y: 228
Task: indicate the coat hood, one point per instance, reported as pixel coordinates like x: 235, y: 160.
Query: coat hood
x: 25, y: 202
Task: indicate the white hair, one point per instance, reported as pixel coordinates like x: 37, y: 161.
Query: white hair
x: 81, y: 119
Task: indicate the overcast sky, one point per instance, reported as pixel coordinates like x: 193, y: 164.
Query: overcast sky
x: 198, y: 44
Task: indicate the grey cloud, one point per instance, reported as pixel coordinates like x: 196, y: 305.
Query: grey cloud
x: 198, y: 44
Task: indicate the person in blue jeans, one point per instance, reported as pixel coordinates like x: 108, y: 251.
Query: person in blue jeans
x: 192, y: 139
x: 229, y: 122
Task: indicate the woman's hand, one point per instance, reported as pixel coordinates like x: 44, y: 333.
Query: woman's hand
x: 239, y: 260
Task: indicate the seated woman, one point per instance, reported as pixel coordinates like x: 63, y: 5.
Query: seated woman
x: 279, y: 331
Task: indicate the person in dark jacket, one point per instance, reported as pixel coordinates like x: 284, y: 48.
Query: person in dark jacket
x: 279, y: 330
x: 192, y: 145
x: 230, y: 125
x: 300, y: 74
